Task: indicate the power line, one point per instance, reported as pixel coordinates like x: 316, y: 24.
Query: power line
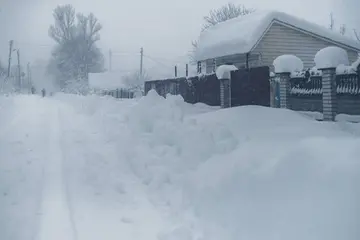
x: 121, y: 54
x: 156, y: 61
x: 33, y: 44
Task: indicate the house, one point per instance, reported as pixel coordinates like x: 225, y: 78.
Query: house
x: 258, y: 38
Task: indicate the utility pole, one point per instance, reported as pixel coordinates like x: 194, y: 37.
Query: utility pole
x: 19, y: 68
x: 11, y: 43
x: 28, y: 73
x: 110, y: 60
x: 141, y: 61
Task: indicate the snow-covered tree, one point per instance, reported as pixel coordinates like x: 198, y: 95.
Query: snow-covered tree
x: 135, y: 81
x: 76, y: 53
x: 222, y: 14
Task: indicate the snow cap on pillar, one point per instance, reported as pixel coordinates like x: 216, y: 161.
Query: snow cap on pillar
x: 288, y: 63
x: 224, y: 71
x: 331, y: 57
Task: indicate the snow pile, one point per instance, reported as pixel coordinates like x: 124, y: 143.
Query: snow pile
x: 228, y: 173
x: 288, y: 64
x: 331, y: 57
x: 224, y: 71
x: 302, y: 74
x: 343, y: 70
x: 289, y: 186
x: 300, y: 91
x: 162, y: 169
x: 356, y: 64
x: 348, y: 90
x: 315, y: 72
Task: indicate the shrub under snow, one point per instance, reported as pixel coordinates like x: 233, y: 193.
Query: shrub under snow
x: 288, y: 64
x: 331, y: 57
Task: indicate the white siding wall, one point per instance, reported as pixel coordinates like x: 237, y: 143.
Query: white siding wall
x: 238, y: 60
x: 277, y: 41
x: 281, y: 40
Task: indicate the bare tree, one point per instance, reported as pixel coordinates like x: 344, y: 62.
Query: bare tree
x: 222, y: 14
x: 64, y: 27
x: 357, y: 36
x: 225, y: 13
x: 343, y: 29
x: 332, y: 21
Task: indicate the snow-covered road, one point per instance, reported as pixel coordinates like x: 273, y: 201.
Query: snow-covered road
x: 56, y: 220
x: 90, y: 168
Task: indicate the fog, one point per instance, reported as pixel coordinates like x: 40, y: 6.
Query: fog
x: 164, y: 28
x: 347, y: 11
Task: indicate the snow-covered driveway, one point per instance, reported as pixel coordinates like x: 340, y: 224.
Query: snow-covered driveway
x: 90, y: 168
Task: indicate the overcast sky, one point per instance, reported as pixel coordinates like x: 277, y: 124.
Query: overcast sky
x: 165, y: 28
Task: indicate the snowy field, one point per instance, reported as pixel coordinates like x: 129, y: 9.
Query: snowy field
x: 91, y: 168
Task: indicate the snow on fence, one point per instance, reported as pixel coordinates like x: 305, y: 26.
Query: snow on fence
x: 109, y: 84
x: 242, y: 87
x: 305, y: 90
x: 118, y: 93
x: 202, y: 88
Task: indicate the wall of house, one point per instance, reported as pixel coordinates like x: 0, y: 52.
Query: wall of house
x: 281, y: 40
x: 238, y: 60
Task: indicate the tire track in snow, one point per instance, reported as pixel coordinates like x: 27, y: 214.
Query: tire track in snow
x: 56, y: 222
x: 65, y: 182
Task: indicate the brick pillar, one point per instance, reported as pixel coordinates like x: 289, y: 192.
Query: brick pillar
x: 225, y: 93
x: 329, y: 94
x: 284, y: 89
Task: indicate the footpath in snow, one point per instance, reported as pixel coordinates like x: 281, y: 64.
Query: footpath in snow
x: 90, y: 168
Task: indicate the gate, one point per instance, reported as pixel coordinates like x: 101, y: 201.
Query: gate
x: 250, y: 87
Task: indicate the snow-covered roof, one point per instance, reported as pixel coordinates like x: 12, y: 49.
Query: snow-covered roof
x: 240, y: 35
x: 106, y: 81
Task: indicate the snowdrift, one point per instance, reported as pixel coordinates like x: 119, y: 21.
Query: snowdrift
x: 254, y: 172
x: 173, y: 171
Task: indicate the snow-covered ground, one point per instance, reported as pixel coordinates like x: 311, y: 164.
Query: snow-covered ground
x: 90, y: 168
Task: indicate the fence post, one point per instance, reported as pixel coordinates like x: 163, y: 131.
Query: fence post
x: 284, y: 65
x: 327, y: 59
x: 223, y: 73
x: 225, y: 93
x: 329, y: 94
x: 284, y: 79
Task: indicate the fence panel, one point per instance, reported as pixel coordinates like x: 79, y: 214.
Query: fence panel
x: 250, y: 87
